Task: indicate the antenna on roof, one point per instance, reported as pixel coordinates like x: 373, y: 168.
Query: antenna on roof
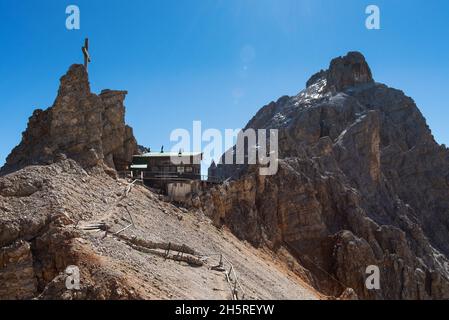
x: 162, y: 149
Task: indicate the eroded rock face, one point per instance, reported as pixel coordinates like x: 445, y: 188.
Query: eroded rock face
x: 361, y: 182
x: 16, y: 272
x: 39, y: 207
x: 82, y: 132
x: 80, y: 125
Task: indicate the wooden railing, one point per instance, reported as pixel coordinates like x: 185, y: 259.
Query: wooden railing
x: 168, y: 176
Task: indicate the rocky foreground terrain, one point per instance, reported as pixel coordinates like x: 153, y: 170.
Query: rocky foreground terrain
x: 44, y: 210
x: 361, y: 182
x: 62, y: 204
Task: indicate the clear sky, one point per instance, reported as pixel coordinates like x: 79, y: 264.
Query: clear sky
x: 217, y: 61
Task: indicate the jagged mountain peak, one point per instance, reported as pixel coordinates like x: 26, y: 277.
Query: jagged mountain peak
x: 361, y: 181
x: 345, y: 76
x: 346, y: 71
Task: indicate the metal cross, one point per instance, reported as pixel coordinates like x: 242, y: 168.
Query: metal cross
x: 85, y: 50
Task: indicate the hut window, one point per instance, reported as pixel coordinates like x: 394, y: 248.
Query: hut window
x: 180, y: 169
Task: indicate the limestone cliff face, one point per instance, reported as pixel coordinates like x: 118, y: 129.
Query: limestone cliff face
x: 361, y: 182
x: 86, y: 127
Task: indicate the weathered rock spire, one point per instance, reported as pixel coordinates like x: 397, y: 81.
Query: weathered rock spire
x: 86, y: 127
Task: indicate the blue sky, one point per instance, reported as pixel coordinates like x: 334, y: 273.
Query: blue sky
x: 217, y: 61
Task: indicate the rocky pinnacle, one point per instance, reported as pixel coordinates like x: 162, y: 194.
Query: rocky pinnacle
x: 86, y: 127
